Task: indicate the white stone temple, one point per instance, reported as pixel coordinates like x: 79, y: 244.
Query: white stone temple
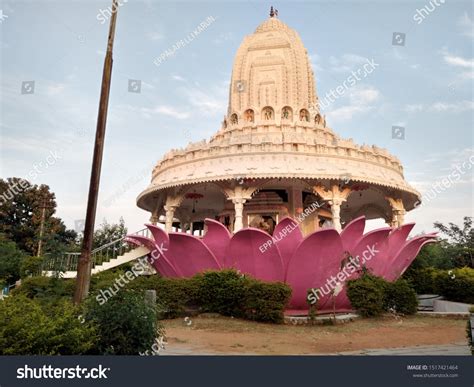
x: 275, y: 155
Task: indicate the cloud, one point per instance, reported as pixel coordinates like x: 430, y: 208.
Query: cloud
x: 155, y: 36
x: 467, y: 26
x: 178, y: 78
x: 208, y: 102
x: 346, y: 62
x: 167, y: 111
x: 441, y: 107
x: 458, y: 61
x: 362, y: 99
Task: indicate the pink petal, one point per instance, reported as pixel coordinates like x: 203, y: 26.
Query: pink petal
x: 253, y: 252
x: 189, y: 255
x: 158, y: 257
x: 287, y: 237
x: 217, y: 239
x: 159, y: 235
x: 406, y: 256
x: 317, y: 258
x: 352, y: 233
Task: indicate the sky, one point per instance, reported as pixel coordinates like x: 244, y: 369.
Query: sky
x: 52, y: 55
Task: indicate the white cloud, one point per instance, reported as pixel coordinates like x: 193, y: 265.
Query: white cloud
x: 55, y: 89
x: 168, y: 111
x: 362, y: 99
x: 413, y: 108
x: 155, y: 36
x: 458, y: 61
x: 441, y: 107
x: 346, y: 62
x: 178, y: 78
x: 467, y: 25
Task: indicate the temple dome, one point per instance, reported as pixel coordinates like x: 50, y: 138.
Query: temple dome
x: 271, y: 69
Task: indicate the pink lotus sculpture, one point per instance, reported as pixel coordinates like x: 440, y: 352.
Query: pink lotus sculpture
x: 324, y: 260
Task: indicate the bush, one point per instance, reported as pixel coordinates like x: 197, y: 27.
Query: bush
x: 265, y: 301
x: 45, y: 288
x: 400, y: 296
x: 422, y: 279
x: 456, y: 285
x: 367, y: 295
x: 31, y: 266
x: 10, y: 260
x: 30, y: 328
x: 127, y: 324
x: 226, y: 292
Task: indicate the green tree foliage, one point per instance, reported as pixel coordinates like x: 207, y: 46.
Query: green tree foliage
x: 21, y: 210
x: 11, y: 259
x: 460, y: 246
x: 30, y: 328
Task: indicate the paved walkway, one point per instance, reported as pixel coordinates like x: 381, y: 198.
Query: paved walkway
x: 456, y: 349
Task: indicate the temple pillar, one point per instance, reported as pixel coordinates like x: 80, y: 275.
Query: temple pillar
x: 335, y: 196
x: 398, y: 211
x: 239, y: 213
x: 154, y: 219
x: 170, y: 210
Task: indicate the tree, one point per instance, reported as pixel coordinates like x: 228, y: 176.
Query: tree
x: 109, y: 232
x: 10, y: 260
x: 26, y: 212
x: 460, y: 242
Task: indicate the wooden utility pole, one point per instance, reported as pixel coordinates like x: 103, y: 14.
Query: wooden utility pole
x: 84, y: 264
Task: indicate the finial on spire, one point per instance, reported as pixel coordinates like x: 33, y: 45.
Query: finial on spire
x: 273, y: 12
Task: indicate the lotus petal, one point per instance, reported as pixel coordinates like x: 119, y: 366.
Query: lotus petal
x: 189, y: 255
x: 287, y: 236
x: 217, y: 239
x: 352, y: 233
x: 406, y: 256
x: 159, y: 235
x: 317, y: 258
x: 398, y: 238
x: 248, y: 254
x: 157, y: 257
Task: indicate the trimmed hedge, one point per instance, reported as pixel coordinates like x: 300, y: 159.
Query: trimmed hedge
x: 372, y: 296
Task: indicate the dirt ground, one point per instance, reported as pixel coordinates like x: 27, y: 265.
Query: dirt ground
x: 233, y: 336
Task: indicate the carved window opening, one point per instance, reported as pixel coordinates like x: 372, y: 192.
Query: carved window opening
x: 268, y: 114
x: 304, y: 115
x: 234, y: 120
x: 249, y: 115
x: 287, y: 113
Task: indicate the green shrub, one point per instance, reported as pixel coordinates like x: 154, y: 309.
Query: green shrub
x: 422, y: 279
x: 456, y: 285
x: 366, y: 295
x: 127, y: 324
x: 400, y: 296
x: 28, y: 327
x: 45, y: 288
x: 31, y: 266
x: 222, y: 292
x: 264, y: 301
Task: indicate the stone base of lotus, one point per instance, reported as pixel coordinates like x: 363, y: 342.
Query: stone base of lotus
x: 324, y: 260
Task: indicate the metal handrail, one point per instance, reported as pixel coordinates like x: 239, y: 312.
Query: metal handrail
x: 68, y: 260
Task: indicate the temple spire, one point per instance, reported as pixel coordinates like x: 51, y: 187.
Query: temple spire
x: 273, y: 12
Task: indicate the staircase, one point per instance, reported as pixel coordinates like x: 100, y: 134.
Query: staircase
x: 103, y: 258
